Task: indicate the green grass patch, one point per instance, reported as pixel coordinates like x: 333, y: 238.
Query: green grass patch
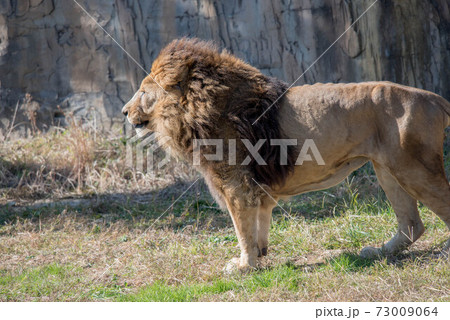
x: 349, y: 262
x: 38, y: 283
x: 165, y: 293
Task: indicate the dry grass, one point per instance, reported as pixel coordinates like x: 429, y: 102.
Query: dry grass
x: 75, y: 161
x: 113, y: 248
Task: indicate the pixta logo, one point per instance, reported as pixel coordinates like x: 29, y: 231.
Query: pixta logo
x: 144, y: 150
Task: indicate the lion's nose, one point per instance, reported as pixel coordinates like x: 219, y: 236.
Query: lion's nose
x: 125, y: 110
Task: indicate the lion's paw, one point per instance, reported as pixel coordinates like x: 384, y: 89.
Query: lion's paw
x: 234, y: 265
x: 371, y: 253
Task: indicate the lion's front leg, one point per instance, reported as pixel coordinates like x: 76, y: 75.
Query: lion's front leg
x: 245, y: 225
x: 264, y: 219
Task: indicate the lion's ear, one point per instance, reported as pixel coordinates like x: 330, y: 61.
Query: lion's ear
x: 180, y: 82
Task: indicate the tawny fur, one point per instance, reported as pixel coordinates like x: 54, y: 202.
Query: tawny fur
x: 210, y: 94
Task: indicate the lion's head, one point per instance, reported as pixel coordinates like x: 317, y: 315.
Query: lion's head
x: 178, y: 89
x: 194, y: 91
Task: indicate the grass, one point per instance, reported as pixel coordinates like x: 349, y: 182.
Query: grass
x: 111, y: 246
x: 64, y: 254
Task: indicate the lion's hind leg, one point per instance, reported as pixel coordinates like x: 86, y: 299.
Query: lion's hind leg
x: 433, y: 190
x: 410, y: 226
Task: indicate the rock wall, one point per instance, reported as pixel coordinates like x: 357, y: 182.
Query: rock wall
x: 55, y: 53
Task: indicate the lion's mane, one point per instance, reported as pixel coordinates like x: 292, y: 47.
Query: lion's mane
x: 221, y: 98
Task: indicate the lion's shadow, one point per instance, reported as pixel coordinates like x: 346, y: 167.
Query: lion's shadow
x: 350, y: 262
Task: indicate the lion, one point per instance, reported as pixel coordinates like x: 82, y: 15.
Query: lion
x: 195, y: 91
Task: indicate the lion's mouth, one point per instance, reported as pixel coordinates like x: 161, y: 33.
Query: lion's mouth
x: 141, y: 125
x: 141, y: 129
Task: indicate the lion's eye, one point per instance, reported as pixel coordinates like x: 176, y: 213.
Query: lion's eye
x: 143, y: 98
